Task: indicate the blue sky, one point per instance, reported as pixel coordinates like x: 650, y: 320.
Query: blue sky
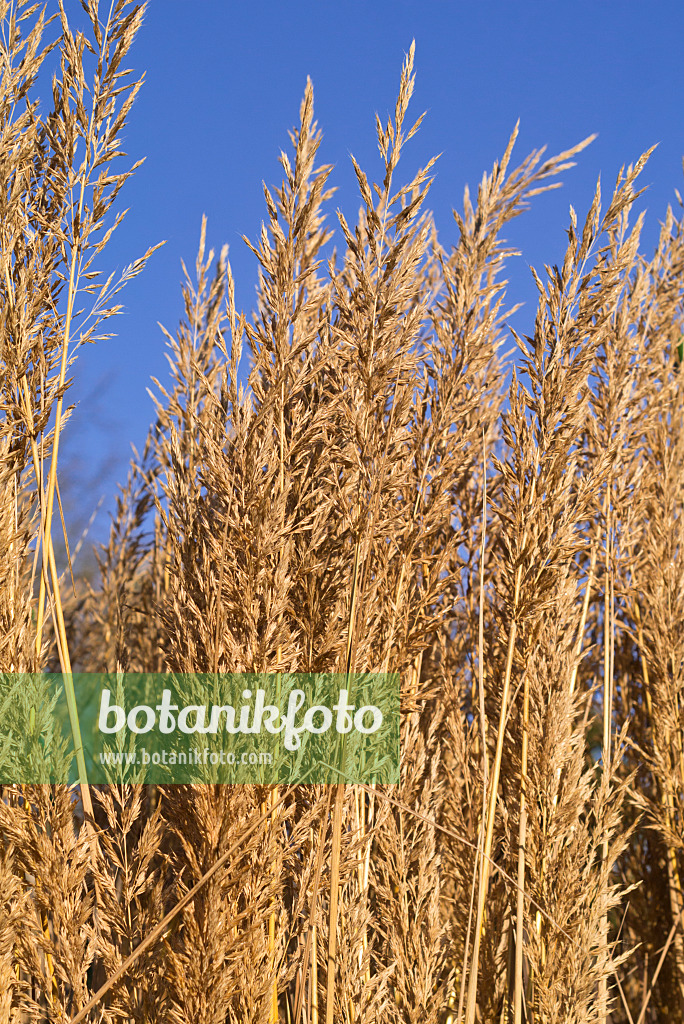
x: 223, y: 85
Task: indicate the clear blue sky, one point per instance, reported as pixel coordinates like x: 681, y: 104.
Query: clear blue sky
x: 223, y: 85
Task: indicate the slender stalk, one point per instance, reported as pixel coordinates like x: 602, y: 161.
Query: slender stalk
x: 52, y: 473
x: 522, y: 827
x: 314, y: 976
x: 480, y: 635
x: 49, y: 564
x: 607, y: 709
x: 339, y: 790
x: 270, y: 807
x: 273, y: 1013
x: 485, y: 857
x: 483, y: 730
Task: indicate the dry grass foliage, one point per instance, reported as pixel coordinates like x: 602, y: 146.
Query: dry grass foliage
x: 369, y: 495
